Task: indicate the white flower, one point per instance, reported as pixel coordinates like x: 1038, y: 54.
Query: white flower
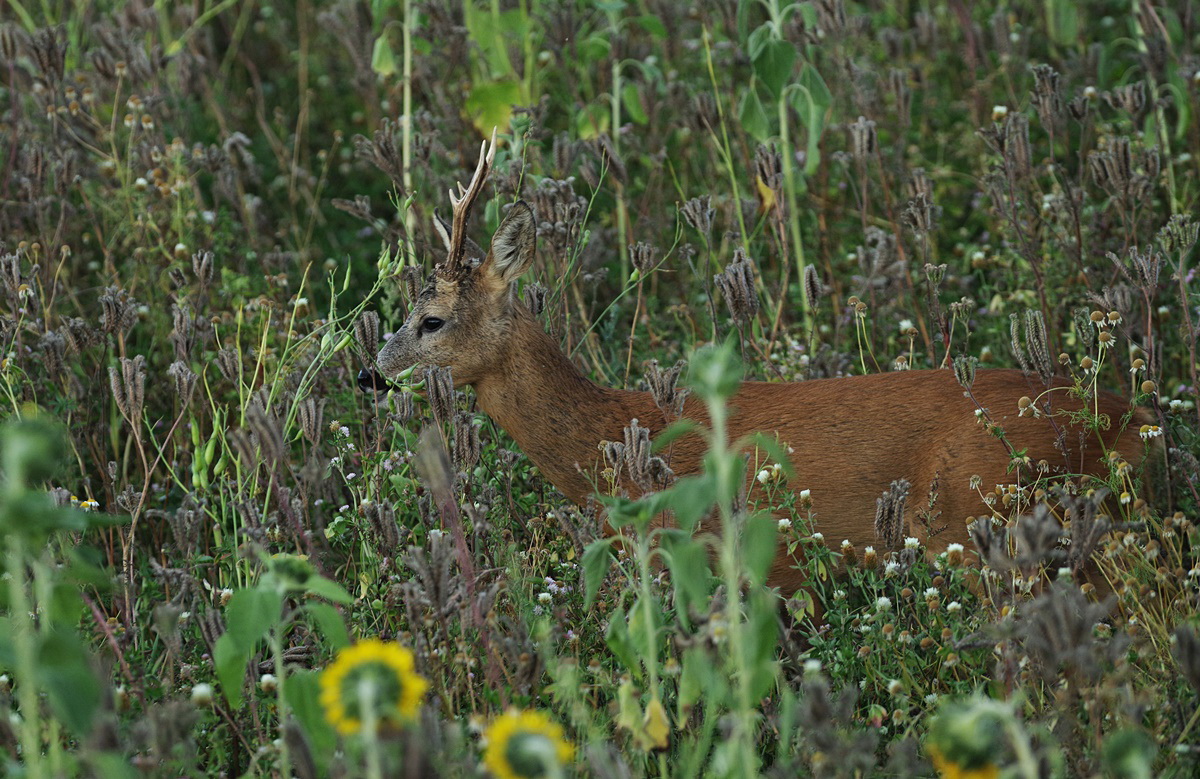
x: 805, y: 494
x: 545, y: 597
x: 268, y: 683
x: 883, y: 604
x: 906, y: 325
x: 999, y: 112
x: 912, y: 543
x: 954, y: 548
x: 841, y: 594
x: 953, y: 606
x: 785, y: 525
x: 931, y: 698
x: 1150, y: 431
x: 892, y: 568
x: 931, y: 592
x: 818, y: 537
x: 812, y: 666
x: 343, y: 431
x: 202, y: 694
x: 895, y: 687
x: 763, y: 476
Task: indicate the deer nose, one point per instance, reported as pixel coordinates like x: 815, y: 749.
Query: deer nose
x: 373, y: 381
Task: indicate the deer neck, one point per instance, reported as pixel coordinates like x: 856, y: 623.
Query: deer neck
x: 555, y: 414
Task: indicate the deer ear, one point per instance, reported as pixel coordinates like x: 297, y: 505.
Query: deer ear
x: 513, y: 244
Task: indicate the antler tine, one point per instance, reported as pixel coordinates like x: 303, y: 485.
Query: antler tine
x: 463, y: 201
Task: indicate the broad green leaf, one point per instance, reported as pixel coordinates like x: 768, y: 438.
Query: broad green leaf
x: 695, y: 679
x: 490, y: 105
x: 330, y: 623
x: 690, y: 500
x: 811, y: 99
x: 753, y: 116
x: 651, y: 24
x: 328, y: 589
x: 617, y: 638
x: 773, y: 64
x: 759, y: 546
x: 64, y: 671
x: 643, y: 628
x: 688, y: 560
x: 1062, y: 21
x: 631, y: 103
x: 230, y: 661
x: 302, y: 693
x: 596, y: 561
x: 250, y: 614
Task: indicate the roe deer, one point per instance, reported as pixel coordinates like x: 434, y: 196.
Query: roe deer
x: 852, y: 437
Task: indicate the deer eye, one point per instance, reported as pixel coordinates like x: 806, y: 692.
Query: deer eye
x: 431, y: 324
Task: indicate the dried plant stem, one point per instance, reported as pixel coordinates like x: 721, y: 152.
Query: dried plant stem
x: 406, y: 135
x: 637, y: 306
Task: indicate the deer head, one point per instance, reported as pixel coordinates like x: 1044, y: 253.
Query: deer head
x: 462, y: 318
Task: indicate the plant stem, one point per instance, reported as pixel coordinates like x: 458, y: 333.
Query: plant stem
x: 27, y: 692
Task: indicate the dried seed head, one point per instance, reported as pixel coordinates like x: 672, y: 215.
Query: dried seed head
x: 411, y: 281
x: 1179, y: 234
x: 49, y: 50
x: 648, y: 472
x: 1018, y: 155
x: 433, y: 464
x: 1046, y: 97
x: 768, y: 169
x: 381, y: 151
x: 921, y: 215
x: 664, y: 387
x: 535, y: 298
x: 889, y: 515
x: 813, y: 289
x: 737, y: 286
x: 467, y: 448
x: 310, y: 413
x: 612, y: 160
x: 53, y: 347
x: 381, y: 519
x: 898, y: 86
x: 642, y: 255
x: 439, y: 389
x: 863, y: 139
x: 183, y: 331
x: 266, y: 429
x: 184, y: 381
x: 128, y: 384
x: 203, y: 267
x: 1130, y: 98
x: 1038, y: 345
x: 919, y: 183
x: 366, y: 336
x: 699, y: 214
x: 964, y: 371
x: 118, y: 311
x: 229, y: 364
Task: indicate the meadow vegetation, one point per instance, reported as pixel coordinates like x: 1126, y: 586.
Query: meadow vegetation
x: 220, y: 558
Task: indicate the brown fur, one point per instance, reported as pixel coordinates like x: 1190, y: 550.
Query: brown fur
x: 851, y: 436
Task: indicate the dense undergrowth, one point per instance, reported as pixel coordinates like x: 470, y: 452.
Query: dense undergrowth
x: 211, y: 214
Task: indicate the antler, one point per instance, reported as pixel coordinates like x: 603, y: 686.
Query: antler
x: 456, y: 241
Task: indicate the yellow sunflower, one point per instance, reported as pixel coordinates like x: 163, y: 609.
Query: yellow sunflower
x: 371, y: 674
x: 526, y: 745
x: 948, y: 769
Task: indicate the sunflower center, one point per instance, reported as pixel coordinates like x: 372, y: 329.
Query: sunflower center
x: 384, y: 684
x: 530, y: 755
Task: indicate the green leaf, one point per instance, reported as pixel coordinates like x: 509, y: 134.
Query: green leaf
x: 383, y: 61
x: 690, y: 499
x: 230, y: 661
x: 250, y: 614
x: 328, y: 589
x: 773, y: 64
x: 690, y: 573
x: 596, y: 561
x: 759, y: 546
x: 631, y: 102
x: 758, y: 40
x: 811, y: 99
x: 302, y: 694
x: 330, y: 623
x: 617, y: 638
x: 64, y: 671
x: 753, y: 116
x: 490, y: 105
x: 696, y: 677
x: 1062, y: 21
x: 651, y: 24
x: 676, y: 430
